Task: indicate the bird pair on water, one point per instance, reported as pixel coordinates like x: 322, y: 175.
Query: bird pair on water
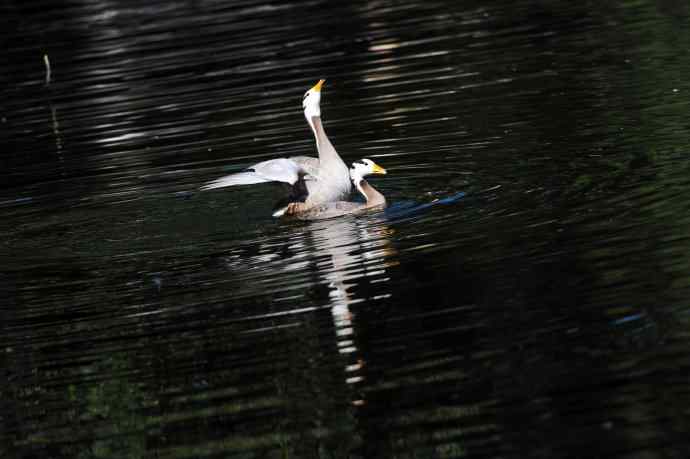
x: 319, y: 186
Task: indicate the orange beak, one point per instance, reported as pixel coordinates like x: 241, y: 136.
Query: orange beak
x: 376, y: 169
x: 317, y: 86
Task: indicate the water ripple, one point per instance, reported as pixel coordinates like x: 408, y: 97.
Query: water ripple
x: 527, y: 285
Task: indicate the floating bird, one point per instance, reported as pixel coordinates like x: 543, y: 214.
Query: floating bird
x: 312, y: 181
x: 373, y: 198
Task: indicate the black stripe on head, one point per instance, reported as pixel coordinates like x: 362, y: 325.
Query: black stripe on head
x: 358, y: 162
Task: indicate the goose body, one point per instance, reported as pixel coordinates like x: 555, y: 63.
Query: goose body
x: 311, y: 181
x: 372, y: 197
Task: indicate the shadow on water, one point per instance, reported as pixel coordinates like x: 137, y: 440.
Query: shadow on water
x: 524, y: 295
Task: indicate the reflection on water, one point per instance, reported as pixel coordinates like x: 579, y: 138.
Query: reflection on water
x: 348, y: 259
x: 356, y: 250
x: 327, y: 268
x: 524, y: 295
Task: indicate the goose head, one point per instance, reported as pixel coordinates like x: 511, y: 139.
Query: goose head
x: 364, y: 167
x: 311, y: 102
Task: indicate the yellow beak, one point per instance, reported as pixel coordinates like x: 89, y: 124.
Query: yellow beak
x: 317, y: 86
x: 376, y: 169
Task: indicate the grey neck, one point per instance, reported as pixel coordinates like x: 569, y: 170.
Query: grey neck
x: 371, y: 194
x: 323, y: 144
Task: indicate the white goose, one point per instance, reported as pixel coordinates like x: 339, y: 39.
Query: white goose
x: 313, y: 181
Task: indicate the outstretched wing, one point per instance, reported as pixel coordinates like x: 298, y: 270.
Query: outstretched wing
x: 274, y: 170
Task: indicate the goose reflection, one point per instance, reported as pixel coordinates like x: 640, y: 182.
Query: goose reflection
x: 359, y: 250
x: 350, y: 256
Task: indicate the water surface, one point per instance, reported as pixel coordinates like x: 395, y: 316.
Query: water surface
x: 525, y: 295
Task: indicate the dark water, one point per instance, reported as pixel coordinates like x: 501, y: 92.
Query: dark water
x: 544, y: 313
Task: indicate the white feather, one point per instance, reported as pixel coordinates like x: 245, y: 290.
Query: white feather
x: 242, y: 178
x: 273, y: 170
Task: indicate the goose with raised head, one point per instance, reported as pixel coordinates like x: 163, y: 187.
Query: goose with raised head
x: 312, y: 181
x: 372, y: 197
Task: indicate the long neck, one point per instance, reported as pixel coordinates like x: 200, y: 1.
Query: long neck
x: 323, y: 144
x: 371, y: 194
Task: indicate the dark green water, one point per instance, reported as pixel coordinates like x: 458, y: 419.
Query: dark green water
x: 544, y: 314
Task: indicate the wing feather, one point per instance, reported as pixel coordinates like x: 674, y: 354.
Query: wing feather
x: 274, y: 170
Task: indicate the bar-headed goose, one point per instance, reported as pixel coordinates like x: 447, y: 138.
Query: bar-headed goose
x: 372, y: 197
x: 313, y: 181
